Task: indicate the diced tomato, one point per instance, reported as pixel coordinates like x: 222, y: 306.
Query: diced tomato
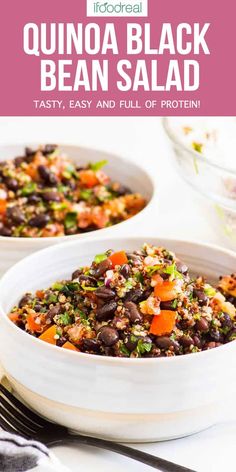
x: 32, y: 325
x: 88, y: 178
x: 118, y: 258
x: 163, y: 323
x: 49, y: 335
x: 14, y: 317
x: 70, y: 346
x: 40, y: 294
x: 3, y: 207
x: 167, y: 291
x: 31, y: 170
x: 99, y: 217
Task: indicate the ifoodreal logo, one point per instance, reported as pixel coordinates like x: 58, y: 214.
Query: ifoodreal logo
x: 117, y: 8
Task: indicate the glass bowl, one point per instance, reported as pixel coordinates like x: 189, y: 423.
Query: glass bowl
x: 208, y: 176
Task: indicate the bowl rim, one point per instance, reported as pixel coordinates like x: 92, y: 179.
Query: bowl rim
x: 60, y: 239
x: 202, y: 157
x: 93, y: 358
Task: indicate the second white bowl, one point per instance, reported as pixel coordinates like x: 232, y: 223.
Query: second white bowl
x: 121, y: 399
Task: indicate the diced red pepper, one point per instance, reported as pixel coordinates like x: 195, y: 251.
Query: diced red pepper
x: 163, y: 323
x: 88, y: 178
x: 49, y: 335
x: 70, y: 346
x: 118, y: 258
x: 167, y: 291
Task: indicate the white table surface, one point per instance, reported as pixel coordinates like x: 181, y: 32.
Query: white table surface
x: 181, y: 214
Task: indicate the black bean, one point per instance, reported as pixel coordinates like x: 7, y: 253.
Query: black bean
x: 89, y: 344
x: 102, y: 267
x: 164, y: 342
x: 125, y: 270
x: 62, y: 340
x: 109, y: 336
x: 15, y: 215
x: 181, y: 267
x: 76, y: 274
x: 37, y: 307
x: 167, y: 306
x: 105, y: 293
x: 49, y: 148
x: 202, y: 297
x: 51, y: 196
x: 55, y: 310
x: 18, y: 161
x: 136, y: 260
x: 34, y: 198
x: 226, y: 321
x: 186, y: 341
x: 131, y: 343
x: 122, y: 190
x: 134, y: 295
x: 106, y: 311
x: 39, y: 220
x: 197, y: 341
x: 88, y: 280
x: 12, y: 184
x: 202, y: 324
x: 29, y: 152
x: 27, y: 298
x: 47, y: 175
x: 215, y: 334
x: 5, y: 231
x: 133, y: 312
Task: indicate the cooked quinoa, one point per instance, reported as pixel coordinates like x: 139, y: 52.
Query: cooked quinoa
x: 45, y: 194
x: 139, y: 304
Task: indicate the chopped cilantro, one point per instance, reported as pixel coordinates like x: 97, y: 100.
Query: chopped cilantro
x: 71, y: 220
x: 99, y: 258
x: 58, y: 206
x: 209, y: 291
x: 65, y: 319
x: 98, y: 165
x: 173, y: 272
x: 86, y: 194
x: 139, y: 277
x: 57, y: 286
x: 174, y: 303
x: 28, y: 189
x: 124, y: 350
x: 128, y: 284
x: 52, y: 298
x: 143, y: 347
x: 88, y: 289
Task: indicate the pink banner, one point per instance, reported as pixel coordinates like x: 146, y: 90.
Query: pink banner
x: 149, y: 57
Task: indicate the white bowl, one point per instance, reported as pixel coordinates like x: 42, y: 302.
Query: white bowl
x: 118, y: 168
x: 118, y: 398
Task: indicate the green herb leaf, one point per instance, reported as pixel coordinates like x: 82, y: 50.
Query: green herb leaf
x: 28, y: 189
x: 174, y: 303
x: 98, y: 165
x: 124, y: 350
x: 65, y: 319
x: 57, y: 286
x: 143, y: 347
x: 99, y: 258
x: 71, y: 220
x: 88, y: 289
x: 209, y: 291
x: 197, y: 146
x: 58, y: 206
x: 86, y: 194
x: 139, y: 277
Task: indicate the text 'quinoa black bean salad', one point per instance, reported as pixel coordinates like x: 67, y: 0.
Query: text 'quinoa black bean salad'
x: 44, y: 194
x: 139, y: 304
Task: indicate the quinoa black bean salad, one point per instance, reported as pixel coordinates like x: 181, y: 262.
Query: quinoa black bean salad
x: 139, y: 304
x: 44, y: 194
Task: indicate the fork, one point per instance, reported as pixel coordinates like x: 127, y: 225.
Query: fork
x: 17, y: 418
